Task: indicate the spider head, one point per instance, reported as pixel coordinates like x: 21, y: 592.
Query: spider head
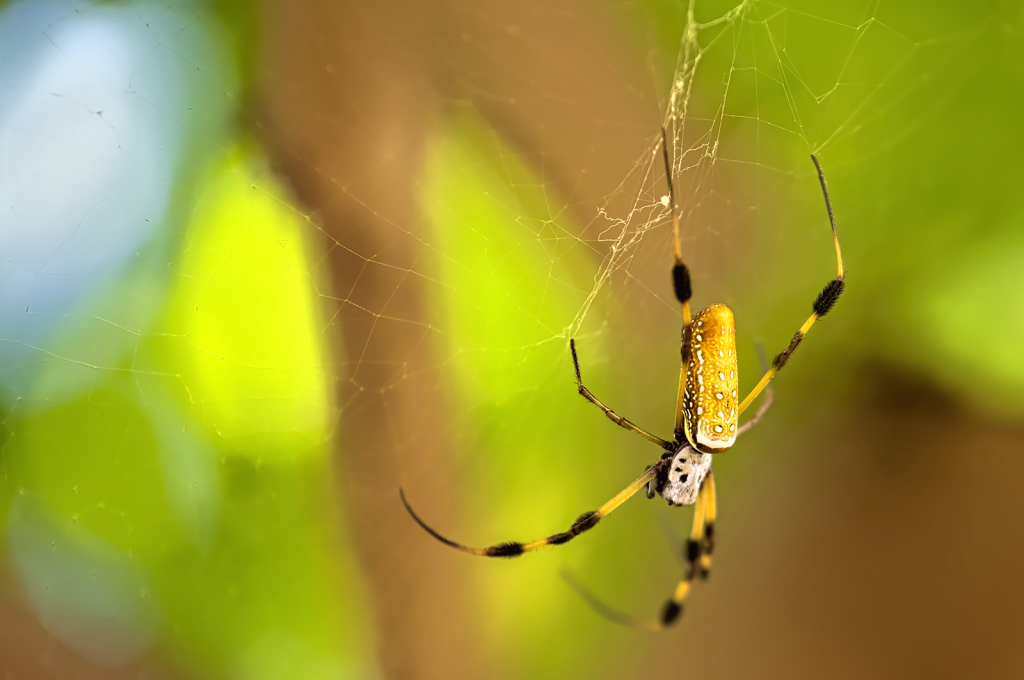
x: 681, y: 480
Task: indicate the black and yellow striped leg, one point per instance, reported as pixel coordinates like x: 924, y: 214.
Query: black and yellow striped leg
x: 612, y: 415
x: 710, y: 513
x: 584, y: 522
x: 822, y: 304
x: 694, y: 558
x: 700, y: 541
x: 769, y: 396
x: 680, y: 284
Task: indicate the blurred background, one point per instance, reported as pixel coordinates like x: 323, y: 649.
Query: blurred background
x: 263, y: 264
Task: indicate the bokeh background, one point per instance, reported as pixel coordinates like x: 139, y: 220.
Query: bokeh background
x: 263, y: 264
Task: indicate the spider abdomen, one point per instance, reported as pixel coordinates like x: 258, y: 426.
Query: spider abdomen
x: 710, y: 413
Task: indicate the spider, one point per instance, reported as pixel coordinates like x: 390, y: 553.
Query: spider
x: 707, y: 423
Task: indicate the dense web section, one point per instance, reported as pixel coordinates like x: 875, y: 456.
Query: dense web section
x: 740, y: 96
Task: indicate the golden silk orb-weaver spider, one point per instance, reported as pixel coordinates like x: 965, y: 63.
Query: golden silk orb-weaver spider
x: 707, y: 423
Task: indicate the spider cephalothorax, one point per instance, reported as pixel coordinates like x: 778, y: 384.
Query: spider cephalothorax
x: 682, y: 478
x: 707, y: 422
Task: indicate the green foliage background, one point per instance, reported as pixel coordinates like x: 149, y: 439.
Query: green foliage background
x: 197, y: 465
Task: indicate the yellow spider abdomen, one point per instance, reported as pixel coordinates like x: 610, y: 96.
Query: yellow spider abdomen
x: 710, y: 412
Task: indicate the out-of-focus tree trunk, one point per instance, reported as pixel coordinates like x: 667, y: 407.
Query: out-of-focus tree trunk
x: 351, y: 91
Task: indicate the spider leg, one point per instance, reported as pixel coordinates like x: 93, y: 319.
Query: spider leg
x: 710, y: 514
x: 612, y: 415
x: 681, y: 285
x: 769, y: 396
x: 699, y: 533
x: 598, y: 605
x: 674, y: 607
x: 584, y: 522
x: 822, y: 304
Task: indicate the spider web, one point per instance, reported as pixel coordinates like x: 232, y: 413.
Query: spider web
x: 746, y: 106
x: 197, y: 333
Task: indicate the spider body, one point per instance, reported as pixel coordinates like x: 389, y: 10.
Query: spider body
x: 710, y: 415
x: 707, y: 422
x: 681, y: 480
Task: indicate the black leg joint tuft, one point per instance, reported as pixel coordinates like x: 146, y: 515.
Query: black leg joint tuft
x: 671, y: 612
x: 559, y: 539
x: 828, y: 297
x: 681, y: 282
x: 585, y: 521
x: 505, y: 550
x: 692, y: 550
